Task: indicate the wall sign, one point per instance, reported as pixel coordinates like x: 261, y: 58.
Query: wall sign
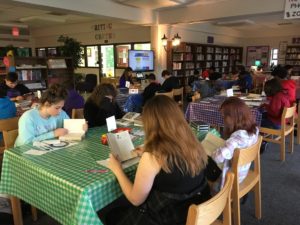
x: 104, y: 31
x: 257, y: 53
x: 292, y: 9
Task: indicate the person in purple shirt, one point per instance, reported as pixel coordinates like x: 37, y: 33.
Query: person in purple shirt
x: 126, y: 76
x: 74, y: 99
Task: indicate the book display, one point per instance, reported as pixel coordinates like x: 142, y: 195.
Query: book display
x: 292, y: 58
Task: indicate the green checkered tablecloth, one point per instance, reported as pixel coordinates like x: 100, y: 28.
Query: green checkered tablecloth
x: 57, y: 183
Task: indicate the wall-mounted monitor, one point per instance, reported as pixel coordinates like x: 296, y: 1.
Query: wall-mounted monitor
x: 141, y: 60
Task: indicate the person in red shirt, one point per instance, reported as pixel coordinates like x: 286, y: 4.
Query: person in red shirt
x: 286, y: 83
x: 278, y: 99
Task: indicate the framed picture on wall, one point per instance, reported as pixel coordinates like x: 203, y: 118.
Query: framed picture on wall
x: 257, y: 55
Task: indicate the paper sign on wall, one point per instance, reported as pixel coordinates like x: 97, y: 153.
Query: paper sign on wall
x: 292, y: 9
x: 229, y: 92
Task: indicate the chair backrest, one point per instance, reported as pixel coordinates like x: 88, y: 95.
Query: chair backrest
x: 9, y: 124
x: 178, y: 92
x: 9, y: 137
x: 169, y: 94
x: 245, y: 156
x: 288, y: 116
x: 77, y: 113
x: 207, y: 212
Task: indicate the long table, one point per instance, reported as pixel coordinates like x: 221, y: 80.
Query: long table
x: 208, y: 111
x: 58, y: 183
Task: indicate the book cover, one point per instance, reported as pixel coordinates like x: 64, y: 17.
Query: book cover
x: 211, y: 143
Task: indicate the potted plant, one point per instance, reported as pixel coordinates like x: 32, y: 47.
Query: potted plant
x: 70, y: 48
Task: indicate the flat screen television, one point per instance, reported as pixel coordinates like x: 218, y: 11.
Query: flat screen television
x: 141, y: 60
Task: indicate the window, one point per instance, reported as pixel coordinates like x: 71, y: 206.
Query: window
x: 52, y: 52
x: 41, y: 52
x: 274, y: 56
x: 108, y: 63
x: 92, y: 56
x: 142, y: 46
x: 24, y: 52
x: 122, y: 55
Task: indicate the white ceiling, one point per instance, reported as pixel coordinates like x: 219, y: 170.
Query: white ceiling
x: 34, y: 17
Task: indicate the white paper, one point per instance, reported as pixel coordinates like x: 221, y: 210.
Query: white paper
x: 35, y: 152
x: 127, y: 84
x: 111, y: 123
x: 229, y: 92
x: 75, y: 129
x: 133, y: 91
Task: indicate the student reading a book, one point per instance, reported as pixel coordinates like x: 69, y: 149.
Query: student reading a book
x: 101, y: 105
x: 14, y: 90
x: 170, y: 175
x: 46, y: 121
x: 126, y: 76
x: 240, y: 131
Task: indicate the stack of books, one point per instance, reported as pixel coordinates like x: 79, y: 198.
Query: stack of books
x: 200, y: 126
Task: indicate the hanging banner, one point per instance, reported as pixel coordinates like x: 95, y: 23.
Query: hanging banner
x: 292, y: 9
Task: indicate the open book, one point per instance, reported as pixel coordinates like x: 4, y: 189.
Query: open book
x: 128, y: 119
x: 120, y: 144
x: 211, y: 143
x: 75, y: 128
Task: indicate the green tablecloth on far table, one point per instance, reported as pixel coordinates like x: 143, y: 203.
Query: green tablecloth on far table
x: 57, y: 182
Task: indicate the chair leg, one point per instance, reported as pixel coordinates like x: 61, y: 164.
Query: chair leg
x: 292, y: 142
x: 16, y: 210
x: 282, y: 149
x: 236, y: 211
x: 33, y: 213
x: 257, y: 196
x: 298, y: 133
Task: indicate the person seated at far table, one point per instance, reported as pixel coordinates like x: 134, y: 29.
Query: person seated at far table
x: 213, y: 75
x: 286, y: 83
x: 126, y: 76
x: 170, y: 82
x: 152, y: 87
x: 240, y: 131
x: 278, y: 99
x: 46, y: 121
x: 74, y: 100
x: 101, y: 105
x: 245, y: 80
x: 170, y: 175
x: 14, y: 90
x: 7, y: 108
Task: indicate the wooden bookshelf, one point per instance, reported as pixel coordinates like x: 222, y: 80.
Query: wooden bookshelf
x: 292, y: 57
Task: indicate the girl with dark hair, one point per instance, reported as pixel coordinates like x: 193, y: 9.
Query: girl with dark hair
x: 101, y: 104
x: 46, y: 121
x: 278, y: 99
x: 126, y: 76
x: 170, y: 175
x: 240, y: 130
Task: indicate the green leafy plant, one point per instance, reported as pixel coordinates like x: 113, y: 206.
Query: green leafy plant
x: 70, y: 48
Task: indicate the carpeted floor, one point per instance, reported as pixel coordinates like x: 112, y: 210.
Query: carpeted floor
x: 280, y: 193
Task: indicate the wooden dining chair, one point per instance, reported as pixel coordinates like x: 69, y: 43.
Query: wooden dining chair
x: 77, y: 113
x: 9, y: 128
x: 208, y: 212
x: 278, y: 135
x: 178, y: 94
x: 297, y: 127
x: 169, y: 94
x: 243, y: 157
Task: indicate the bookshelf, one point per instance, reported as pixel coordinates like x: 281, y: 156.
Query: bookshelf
x: 187, y: 57
x: 292, y: 57
x: 38, y: 72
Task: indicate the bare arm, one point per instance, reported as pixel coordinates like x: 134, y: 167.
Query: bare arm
x: 147, y: 169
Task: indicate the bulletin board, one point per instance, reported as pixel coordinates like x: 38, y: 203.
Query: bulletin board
x: 257, y: 53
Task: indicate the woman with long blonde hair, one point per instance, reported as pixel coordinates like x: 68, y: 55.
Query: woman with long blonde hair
x: 170, y: 175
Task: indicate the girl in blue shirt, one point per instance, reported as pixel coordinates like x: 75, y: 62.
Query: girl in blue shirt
x: 46, y: 121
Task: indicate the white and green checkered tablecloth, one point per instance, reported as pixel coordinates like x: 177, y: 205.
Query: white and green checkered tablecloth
x: 57, y: 183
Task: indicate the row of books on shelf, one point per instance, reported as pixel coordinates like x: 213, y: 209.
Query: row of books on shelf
x: 293, y: 50
x: 293, y: 63
x: 293, y: 56
x: 29, y: 75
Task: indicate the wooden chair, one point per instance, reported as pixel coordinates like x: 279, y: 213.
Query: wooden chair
x: 196, y: 96
x: 287, y: 128
x: 9, y: 127
x: 8, y: 124
x: 169, y: 94
x: 297, y: 122
x: 243, y: 157
x: 178, y: 93
x: 77, y: 113
x: 209, y: 211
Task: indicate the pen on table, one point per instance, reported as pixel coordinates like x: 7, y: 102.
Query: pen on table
x: 96, y: 171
